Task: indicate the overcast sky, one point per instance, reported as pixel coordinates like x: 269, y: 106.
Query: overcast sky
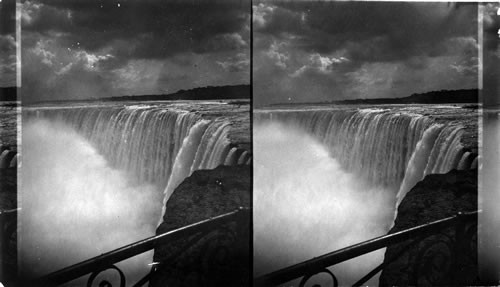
x: 303, y: 51
x: 317, y: 51
x: 491, y: 55
x: 74, y: 49
x: 7, y: 43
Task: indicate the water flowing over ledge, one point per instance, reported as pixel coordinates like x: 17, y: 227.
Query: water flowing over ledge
x: 337, y: 171
x: 96, y: 176
x: 389, y: 147
x: 156, y: 145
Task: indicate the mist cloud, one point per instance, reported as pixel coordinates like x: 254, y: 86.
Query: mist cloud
x: 306, y: 205
x: 74, y: 205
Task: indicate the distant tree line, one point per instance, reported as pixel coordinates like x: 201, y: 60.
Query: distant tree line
x: 434, y: 97
x: 243, y: 92
x: 204, y: 93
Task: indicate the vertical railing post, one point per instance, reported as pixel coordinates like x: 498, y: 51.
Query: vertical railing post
x: 458, y: 263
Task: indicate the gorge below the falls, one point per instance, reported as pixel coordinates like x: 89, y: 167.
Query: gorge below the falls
x: 327, y: 177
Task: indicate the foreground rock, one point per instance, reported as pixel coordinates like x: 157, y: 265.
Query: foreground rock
x: 8, y: 188
x: 222, y: 257
x: 432, y: 260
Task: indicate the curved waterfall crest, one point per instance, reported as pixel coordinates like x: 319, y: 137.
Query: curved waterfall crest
x: 155, y: 145
x: 388, y: 148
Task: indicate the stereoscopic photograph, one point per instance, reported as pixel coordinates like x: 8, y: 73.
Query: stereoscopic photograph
x: 249, y: 143
x: 365, y: 126
x: 135, y: 143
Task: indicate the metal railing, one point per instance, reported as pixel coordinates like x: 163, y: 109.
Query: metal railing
x: 462, y: 235
x: 306, y: 270
x: 106, y: 261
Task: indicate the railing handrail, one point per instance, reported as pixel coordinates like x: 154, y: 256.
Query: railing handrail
x: 109, y: 258
x: 7, y: 212
x: 321, y: 262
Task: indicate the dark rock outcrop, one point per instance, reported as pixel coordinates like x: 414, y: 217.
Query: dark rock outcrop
x: 222, y: 257
x: 433, y: 259
x: 8, y: 188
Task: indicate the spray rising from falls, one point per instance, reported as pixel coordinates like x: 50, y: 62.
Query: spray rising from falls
x: 380, y: 144
x: 326, y: 179
x: 154, y: 145
x: 301, y: 199
x: 94, y: 154
x: 74, y: 205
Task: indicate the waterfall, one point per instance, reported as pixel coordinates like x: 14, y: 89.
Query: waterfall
x: 340, y: 172
x: 205, y: 147
x: 465, y: 161
x: 155, y: 145
x: 387, y: 147
x: 8, y: 158
x: 98, y: 177
x: 418, y: 161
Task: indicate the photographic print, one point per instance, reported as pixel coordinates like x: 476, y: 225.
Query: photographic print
x: 249, y: 143
x: 135, y: 123
x: 365, y: 124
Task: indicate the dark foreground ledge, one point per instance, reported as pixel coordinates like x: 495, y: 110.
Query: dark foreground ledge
x: 431, y: 262
x: 220, y: 257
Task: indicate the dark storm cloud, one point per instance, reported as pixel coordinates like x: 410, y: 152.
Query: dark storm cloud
x: 79, y: 49
x: 491, y: 25
x: 491, y: 55
x: 7, y: 17
x: 142, y: 29
x: 7, y: 43
x: 362, y: 49
x: 371, y: 31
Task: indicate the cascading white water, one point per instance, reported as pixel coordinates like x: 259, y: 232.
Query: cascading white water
x: 205, y: 147
x: 380, y: 153
x: 8, y: 158
x: 301, y: 199
x: 465, y: 161
x: 186, y: 155
x: 418, y: 161
x: 147, y: 142
x: 439, y: 151
x: 446, y: 152
x: 136, y: 153
x: 244, y: 158
x: 74, y: 205
x: 377, y: 144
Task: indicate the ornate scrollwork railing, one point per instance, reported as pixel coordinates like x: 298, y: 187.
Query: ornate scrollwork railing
x: 211, y: 259
x: 436, y: 249
x: 95, y: 266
